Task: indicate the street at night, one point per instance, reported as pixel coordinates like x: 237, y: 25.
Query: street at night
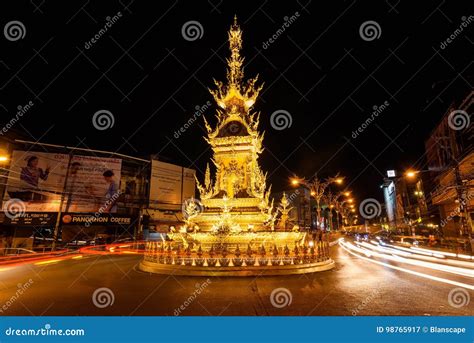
x: 66, y: 288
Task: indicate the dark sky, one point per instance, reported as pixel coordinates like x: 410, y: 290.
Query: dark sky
x: 320, y: 70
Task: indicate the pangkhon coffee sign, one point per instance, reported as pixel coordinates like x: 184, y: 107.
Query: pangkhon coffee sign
x: 92, y: 219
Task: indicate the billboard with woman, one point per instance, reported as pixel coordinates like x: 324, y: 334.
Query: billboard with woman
x: 38, y: 179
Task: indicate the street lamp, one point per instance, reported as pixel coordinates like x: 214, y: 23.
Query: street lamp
x: 317, y: 188
x: 344, y: 207
x: 333, y: 202
x: 4, y: 156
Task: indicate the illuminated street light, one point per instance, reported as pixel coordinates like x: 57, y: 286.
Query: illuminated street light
x: 410, y: 174
x: 350, y: 200
x: 295, y: 182
x: 3, y: 156
x: 318, y: 189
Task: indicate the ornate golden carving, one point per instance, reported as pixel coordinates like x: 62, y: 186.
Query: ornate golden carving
x: 236, y: 145
x: 236, y: 95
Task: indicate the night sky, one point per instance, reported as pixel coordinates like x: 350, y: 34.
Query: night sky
x: 320, y: 70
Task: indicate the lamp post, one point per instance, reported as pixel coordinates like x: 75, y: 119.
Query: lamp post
x: 342, y: 210
x: 317, y: 188
x: 4, y: 159
x: 333, y: 203
x: 331, y: 200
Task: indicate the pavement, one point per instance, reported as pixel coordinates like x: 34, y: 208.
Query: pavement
x: 355, y: 287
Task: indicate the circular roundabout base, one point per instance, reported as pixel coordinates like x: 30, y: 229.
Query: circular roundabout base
x: 171, y: 269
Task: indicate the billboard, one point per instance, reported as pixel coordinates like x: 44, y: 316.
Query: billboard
x: 170, y: 184
x: 38, y: 179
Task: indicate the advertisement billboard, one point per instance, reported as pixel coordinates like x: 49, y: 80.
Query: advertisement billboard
x: 170, y: 184
x: 38, y: 179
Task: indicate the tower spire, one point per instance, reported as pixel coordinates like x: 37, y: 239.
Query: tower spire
x: 236, y: 93
x: 234, y: 63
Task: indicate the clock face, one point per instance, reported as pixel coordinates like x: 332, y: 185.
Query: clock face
x: 234, y: 128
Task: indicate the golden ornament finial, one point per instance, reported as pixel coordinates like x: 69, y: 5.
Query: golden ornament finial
x: 234, y: 69
x: 236, y: 94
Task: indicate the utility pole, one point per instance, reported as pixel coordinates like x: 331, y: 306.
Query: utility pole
x: 463, y: 199
x: 61, y: 203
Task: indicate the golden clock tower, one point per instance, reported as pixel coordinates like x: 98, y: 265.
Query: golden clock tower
x: 235, y: 212
x: 239, y: 183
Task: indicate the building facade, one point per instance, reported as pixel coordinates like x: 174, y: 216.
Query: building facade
x: 405, y: 203
x: 68, y: 195
x: 450, y: 157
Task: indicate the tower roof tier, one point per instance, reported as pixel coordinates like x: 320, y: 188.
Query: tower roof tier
x: 236, y: 96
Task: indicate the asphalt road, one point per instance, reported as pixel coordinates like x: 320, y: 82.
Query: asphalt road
x: 354, y: 287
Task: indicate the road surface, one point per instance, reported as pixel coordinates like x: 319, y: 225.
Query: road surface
x: 355, y: 287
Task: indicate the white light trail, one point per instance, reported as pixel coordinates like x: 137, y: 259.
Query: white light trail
x: 348, y: 247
